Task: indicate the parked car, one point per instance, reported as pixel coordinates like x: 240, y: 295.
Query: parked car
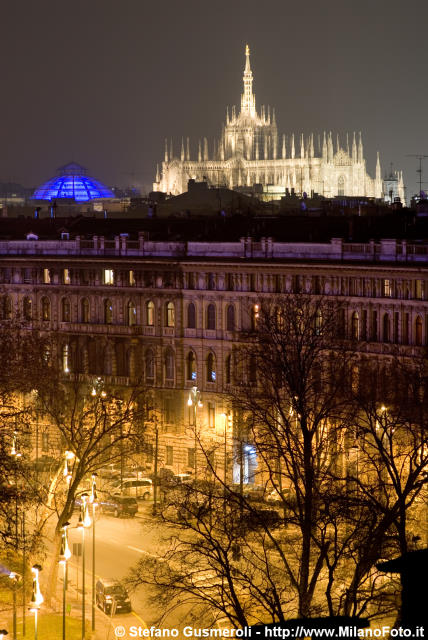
x: 179, y: 478
x: 259, y: 517
x: 111, y: 596
x: 119, y: 506
x: 250, y: 492
x: 141, y: 489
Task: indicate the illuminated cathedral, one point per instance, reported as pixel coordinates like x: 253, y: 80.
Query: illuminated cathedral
x: 250, y: 152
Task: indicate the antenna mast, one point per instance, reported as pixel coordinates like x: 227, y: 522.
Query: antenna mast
x: 420, y: 157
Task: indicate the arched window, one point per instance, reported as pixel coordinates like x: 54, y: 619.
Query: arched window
x: 341, y: 186
x: 191, y: 366
x: 150, y: 313
x: 228, y: 369
x: 46, y: 309
x: 230, y: 318
x: 108, y: 360
x: 255, y: 310
x: 132, y: 314
x: 28, y: 308
x: 169, y: 364
x: 66, y: 358
x: 355, y: 326
x: 65, y: 310
x: 170, y: 315
x: 150, y: 365
x: 279, y: 320
x: 210, y: 317
x: 252, y: 370
x: 211, y: 374
x: 191, y: 316
x: 318, y: 322
x: 84, y: 310
x: 108, y: 311
x: 418, y: 331
x: 7, y: 307
x: 386, y: 329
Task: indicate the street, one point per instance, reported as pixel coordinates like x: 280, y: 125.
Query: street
x: 120, y: 544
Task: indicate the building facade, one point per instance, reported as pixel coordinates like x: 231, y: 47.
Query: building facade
x: 168, y: 315
x: 250, y: 151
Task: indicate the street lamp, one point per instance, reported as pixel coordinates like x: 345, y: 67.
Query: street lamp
x: 65, y: 554
x: 68, y: 473
x: 93, y: 501
x: 194, y: 400
x: 84, y: 523
x: 155, y: 488
x: 14, y: 453
x: 225, y: 417
x: 15, y: 577
x: 36, y: 596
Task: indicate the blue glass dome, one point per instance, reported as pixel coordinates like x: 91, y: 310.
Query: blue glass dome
x: 72, y: 182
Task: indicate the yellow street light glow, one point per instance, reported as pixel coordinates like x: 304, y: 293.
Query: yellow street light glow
x: 189, y: 402
x: 36, y: 596
x: 93, y: 392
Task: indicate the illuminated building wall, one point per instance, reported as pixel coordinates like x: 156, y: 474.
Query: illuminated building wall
x: 169, y: 314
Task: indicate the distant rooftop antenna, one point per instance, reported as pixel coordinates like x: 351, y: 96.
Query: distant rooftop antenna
x: 420, y: 157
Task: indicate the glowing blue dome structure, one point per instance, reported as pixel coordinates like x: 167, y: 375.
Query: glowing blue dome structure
x: 71, y: 182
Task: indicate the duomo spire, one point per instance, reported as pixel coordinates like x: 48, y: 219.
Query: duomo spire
x: 248, y: 99
x: 249, y: 151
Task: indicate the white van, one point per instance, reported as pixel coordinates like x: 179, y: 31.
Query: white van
x: 141, y: 489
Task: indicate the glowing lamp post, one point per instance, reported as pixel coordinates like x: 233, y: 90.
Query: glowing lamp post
x: 65, y: 555
x: 93, y: 501
x: 36, y: 596
x: 194, y: 401
x: 84, y: 523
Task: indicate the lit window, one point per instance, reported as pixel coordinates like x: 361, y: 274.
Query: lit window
x: 387, y: 288
x: 255, y: 316
x: 150, y: 309
x: 419, y: 289
x: 191, y: 366
x: 66, y: 276
x: 132, y: 314
x: 46, y: 309
x: 170, y: 314
x: 318, y: 323
x: 46, y: 276
x: 108, y: 276
x: 211, y: 374
x: 131, y: 278
x: 66, y: 358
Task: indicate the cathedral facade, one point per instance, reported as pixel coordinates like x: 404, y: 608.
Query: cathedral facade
x: 250, y: 151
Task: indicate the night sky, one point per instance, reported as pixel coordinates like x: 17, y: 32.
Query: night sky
x: 103, y: 82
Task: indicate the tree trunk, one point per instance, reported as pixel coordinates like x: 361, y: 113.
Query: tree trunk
x: 52, y: 573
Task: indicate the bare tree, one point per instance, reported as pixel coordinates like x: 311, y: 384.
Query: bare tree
x: 96, y: 424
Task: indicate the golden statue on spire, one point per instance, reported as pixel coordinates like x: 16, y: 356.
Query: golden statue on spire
x: 247, y: 50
